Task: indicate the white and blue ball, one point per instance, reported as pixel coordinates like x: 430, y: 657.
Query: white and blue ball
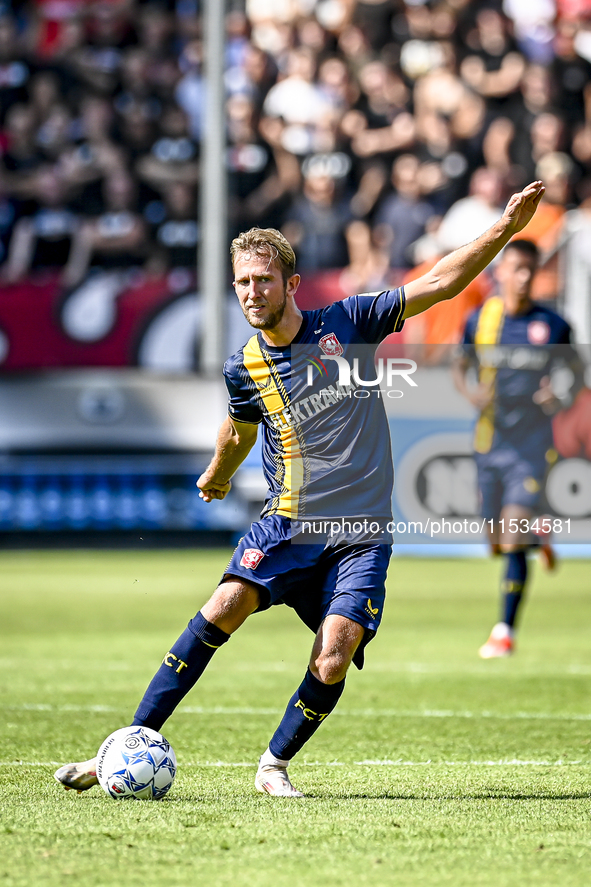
x: 136, y: 762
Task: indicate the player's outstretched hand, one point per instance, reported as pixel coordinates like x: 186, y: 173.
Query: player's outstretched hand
x: 210, y: 490
x: 522, y: 206
x: 481, y: 396
x: 545, y: 397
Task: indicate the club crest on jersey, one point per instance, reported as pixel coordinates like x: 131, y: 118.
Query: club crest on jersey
x: 331, y: 345
x: 251, y: 558
x: 538, y: 332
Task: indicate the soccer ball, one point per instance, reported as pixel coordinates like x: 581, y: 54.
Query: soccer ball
x: 136, y: 762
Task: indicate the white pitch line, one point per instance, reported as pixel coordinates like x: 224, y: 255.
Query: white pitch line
x: 480, y: 671
x: 401, y: 763
x: 42, y: 706
x: 512, y: 763
x: 362, y: 712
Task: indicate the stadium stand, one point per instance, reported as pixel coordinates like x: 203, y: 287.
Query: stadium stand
x: 349, y: 122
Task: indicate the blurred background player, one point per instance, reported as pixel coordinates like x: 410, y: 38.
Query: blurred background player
x: 514, y: 343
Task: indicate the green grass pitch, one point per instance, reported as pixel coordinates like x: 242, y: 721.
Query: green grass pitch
x: 435, y: 769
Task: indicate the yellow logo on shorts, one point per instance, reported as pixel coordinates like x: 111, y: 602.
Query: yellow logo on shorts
x: 531, y: 485
x: 371, y: 610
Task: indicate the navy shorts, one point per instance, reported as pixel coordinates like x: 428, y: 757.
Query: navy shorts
x: 317, y: 580
x: 508, y: 477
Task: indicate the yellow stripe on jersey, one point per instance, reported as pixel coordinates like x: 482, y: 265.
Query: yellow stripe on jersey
x: 275, y: 399
x: 488, y: 332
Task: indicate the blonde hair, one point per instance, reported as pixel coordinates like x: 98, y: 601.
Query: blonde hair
x: 267, y: 242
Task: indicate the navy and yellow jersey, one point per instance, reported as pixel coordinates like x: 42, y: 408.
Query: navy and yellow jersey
x: 513, y: 354
x: 325, y: 451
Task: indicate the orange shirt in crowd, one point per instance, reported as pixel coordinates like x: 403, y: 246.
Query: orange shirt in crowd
x: 545, y: 229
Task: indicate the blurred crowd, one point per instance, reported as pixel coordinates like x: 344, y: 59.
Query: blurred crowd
x: 376, y: 134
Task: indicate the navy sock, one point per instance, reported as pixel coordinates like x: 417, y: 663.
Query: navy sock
x: 182, y: 666
x: 513, y: 585
x: 307, y: 708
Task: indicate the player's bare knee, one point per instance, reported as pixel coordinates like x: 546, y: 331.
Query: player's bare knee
x: 231, y: 603
x: 330, y: 666
x: 512, y: 547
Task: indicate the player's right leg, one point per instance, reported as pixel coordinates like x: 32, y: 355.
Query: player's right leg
x: 229, y: 606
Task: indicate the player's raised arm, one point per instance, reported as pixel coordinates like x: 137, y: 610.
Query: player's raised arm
x: 235, y: 441
x: 454, y: 272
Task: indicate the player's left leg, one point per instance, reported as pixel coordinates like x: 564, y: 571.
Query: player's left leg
x: 514, y: 542
x: 519, y: 476
x: 334, y: 647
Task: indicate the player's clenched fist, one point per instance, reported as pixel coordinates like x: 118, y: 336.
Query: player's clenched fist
x: 210, y: 490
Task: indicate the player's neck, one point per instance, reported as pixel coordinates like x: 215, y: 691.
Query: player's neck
x: 517, y: 304
x: 284, y: 333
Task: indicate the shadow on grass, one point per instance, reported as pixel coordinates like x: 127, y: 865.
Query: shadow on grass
x: 242, y: 797
x: 457, y: 796
x: 380, y: 796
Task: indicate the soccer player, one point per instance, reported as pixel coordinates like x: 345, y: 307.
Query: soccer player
x: 320, y: 458
x: 514, y: 343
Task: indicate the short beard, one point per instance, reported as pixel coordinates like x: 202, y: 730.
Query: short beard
x: 272, y: 320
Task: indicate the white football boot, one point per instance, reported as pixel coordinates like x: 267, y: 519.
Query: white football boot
x: 501, y: 643
x: 79, y: 777
x: 272, y: 778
